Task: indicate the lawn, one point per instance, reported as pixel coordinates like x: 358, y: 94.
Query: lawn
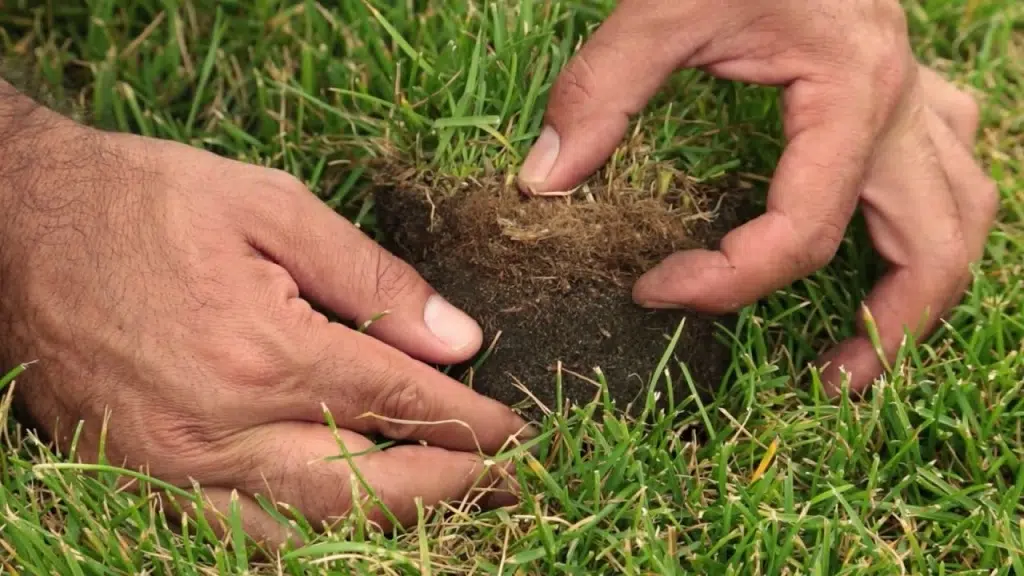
x: 924, y: 475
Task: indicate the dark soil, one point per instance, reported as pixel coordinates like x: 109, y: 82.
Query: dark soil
x: 553, y: 277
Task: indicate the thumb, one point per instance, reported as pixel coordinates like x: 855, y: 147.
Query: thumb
x: 338, y: 266
x: 609, y: 79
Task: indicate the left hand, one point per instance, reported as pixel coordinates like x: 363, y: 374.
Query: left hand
x: 166, y: 293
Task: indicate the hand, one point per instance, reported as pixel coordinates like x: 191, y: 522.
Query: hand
x: 173, y: 287
x: 864, y: 125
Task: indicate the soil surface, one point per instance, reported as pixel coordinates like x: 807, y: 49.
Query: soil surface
x: 552, y: 277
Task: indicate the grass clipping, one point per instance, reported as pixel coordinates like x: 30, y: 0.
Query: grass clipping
x: 552, y: 276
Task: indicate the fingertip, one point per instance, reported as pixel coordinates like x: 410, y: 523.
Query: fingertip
x: 663, y: 286
x: 504, y: 489
x: 528, y: 431
x: 540, y: 161
x: 519, y: 434
x: 428, y: 328
x: 602, y: 86
x: 459, y: 333
x: 853, y: 362
x: 699, y: 279
x: 500, y: 498
x: 516, y: 431
x: 267, y: 533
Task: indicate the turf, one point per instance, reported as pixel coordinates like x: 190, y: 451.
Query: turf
x: 549, y: 279
x: 924, y: 475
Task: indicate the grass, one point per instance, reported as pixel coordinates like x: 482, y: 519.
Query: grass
x: 925, y: 475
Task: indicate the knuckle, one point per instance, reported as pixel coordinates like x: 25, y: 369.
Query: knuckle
x: 263, y: 359
x: 893, y: 14
x: 575, y: 86
x: 244, y: 366
x: 955, y: 259
x: 173, y: 438
x: 889, y: 70
x: 820, y: 247
x: 284, y: 181
x: 278, y: 190
x: 271, y: 199
x: 276, y: 285
x: 888, y: 58
x: 301, y: 316
x: 390, y: 278
x: 402, y: 404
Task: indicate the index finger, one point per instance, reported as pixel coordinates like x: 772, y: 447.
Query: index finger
x: 370, y: 387
x: 810, y: 201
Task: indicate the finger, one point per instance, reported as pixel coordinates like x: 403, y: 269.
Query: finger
x: 906, y: 301
x: 222, y: 508
x: 956, y: 108
x: 337, y: 265
x: 976, y: 195
x: 916, y: 226
x: 610, y: 78
x: 810, y: 201
x: 213, y: 503
x: 370, y: 387
x: 305, y: 466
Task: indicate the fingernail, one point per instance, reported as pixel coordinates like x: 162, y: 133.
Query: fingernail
x: 451, y: 325
x: 541, y: 158
x: 649, y: 289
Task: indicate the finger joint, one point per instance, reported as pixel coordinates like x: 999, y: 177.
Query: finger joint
x: 403, y: 409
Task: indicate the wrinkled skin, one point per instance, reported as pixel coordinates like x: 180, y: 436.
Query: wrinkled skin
x: 170, y: 288
x: 865, y: 125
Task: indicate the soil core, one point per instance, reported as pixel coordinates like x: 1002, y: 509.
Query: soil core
x: 551, y: 277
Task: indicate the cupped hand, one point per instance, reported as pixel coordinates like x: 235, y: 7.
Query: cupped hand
x: 864, y: 123
x: 170, y: 288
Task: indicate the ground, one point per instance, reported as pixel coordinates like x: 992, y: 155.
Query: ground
x: 922, y: 476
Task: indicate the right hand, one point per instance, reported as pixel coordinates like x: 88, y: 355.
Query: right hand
x: 171, y: 287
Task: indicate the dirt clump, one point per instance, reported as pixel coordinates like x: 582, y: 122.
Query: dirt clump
x: 553, y: 276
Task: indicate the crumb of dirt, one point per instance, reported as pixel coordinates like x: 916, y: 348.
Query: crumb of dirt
x: 553, y: 277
